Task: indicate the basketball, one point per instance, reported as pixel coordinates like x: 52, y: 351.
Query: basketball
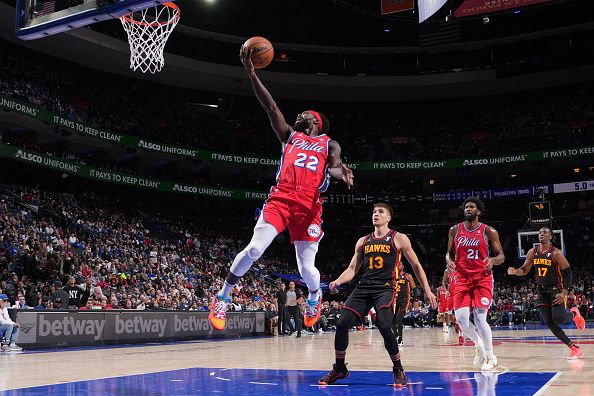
x: 262, y: 51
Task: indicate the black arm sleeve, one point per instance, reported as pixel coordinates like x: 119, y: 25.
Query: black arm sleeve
x: 567, y: 278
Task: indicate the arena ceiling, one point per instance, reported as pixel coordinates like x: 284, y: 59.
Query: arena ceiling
x: 360, y: 23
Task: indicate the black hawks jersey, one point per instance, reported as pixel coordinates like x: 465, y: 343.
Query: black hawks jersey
x: 546, y: 269
x: 402, y: 286
x: 380, y: 261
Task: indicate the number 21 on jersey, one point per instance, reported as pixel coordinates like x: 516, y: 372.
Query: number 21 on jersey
x: 473, y: 254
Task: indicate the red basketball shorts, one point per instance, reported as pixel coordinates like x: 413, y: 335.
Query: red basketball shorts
x: 474, y: 291
x: 297, y: 209
x: 451, y: 296
x: 443, y: 303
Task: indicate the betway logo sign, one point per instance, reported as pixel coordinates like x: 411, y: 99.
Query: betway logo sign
x: 234, y: 322
x: 69, y: 326
x: 140, y: 325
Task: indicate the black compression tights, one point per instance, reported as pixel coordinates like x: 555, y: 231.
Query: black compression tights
x: 383, y: 322
x: 554, y: 316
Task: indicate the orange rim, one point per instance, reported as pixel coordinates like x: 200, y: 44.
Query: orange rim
x: 156, y: 23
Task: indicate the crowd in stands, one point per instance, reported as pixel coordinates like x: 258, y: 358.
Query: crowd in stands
x: 393, y: 131
x: 85, y: 254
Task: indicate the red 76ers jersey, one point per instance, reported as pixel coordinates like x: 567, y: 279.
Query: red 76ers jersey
x: 472, y: 248
x: 305, y: 162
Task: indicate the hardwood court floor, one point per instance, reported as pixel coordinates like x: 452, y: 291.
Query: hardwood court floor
x: 521, y: 352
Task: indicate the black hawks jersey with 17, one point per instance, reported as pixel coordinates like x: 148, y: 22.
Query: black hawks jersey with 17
x: 546, y: 269
x: 380, y: 261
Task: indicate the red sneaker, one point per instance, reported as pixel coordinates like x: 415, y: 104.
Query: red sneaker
x: 578, y: 319
x: 334, y: 374
x: 313, y: 312
x: 576, y: 353
x: 399, y: 378
x: 461, y: 340
x: 218, y: 310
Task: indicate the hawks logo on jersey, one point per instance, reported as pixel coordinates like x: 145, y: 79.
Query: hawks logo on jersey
x: 305, y: 162
x: 472, y: 249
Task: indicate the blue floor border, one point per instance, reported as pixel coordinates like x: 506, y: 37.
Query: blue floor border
x: 195, y: 381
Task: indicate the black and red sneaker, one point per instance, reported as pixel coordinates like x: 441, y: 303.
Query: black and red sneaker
x: 399, y: 377
x: 334, y: 375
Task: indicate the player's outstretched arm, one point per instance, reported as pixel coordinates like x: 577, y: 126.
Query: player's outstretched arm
x: 277, y: 120
x: 525, y: 268
x: 338, y: 170
x: 349, y: 273
x: 451, y: 253
x: 445, y: 281
x: 403, y: 244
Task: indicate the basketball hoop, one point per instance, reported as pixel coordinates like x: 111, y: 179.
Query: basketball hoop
x: 148, y: 34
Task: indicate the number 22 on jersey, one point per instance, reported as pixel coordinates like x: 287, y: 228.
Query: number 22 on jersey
x: 311, y: 164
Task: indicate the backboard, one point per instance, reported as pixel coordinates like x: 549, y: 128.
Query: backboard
x: 529, y: 239
x: 40, y: 18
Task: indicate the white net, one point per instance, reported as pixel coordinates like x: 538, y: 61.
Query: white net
x: 148, y: 32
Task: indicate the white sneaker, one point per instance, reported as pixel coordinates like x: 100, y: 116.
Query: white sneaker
x: 446, y: 330
x: 479, y: 358
x: 14, y: 348
x: 489, y: 364
x: 401, y: 344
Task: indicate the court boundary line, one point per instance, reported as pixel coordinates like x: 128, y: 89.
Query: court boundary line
x: 548, y: 384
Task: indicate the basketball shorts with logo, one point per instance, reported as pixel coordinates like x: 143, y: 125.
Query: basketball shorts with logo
x: 474, y: 291
x: 299, y: 210
x: 361, y: 300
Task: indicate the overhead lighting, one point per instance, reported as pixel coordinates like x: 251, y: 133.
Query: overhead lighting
x: 204, y: 105
x: 576, y: 170
x: 516, y: 12
x: 513, y: 175
x: 432, y: 181
x: 387, y: 30
x: 449, y: 17
x: 591, y: 168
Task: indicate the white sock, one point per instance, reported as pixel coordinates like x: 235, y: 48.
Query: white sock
x: 484, y: 330
x: 226, y: 290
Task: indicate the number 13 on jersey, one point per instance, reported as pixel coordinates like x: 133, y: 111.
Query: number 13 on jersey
x: 376, y: 262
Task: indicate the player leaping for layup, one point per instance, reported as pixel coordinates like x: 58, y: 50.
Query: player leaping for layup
x: 309, y: 159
